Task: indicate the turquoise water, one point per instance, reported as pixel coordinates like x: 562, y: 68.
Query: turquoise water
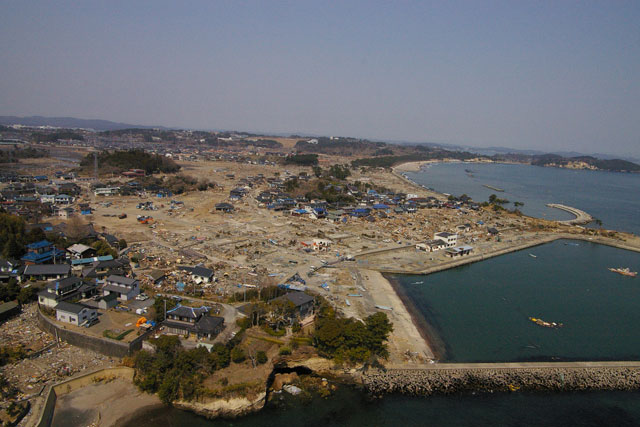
x: 349, y: 408
x: 612, y: 197
x: 480, y: 311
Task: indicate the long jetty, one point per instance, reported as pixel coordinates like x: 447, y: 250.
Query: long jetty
x: 450, y: 378
x: 581, y: 217
x: 531, y: 242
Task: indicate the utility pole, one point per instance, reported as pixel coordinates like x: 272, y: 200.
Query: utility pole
x: 95, y: 165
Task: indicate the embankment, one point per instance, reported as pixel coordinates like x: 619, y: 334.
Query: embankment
x: 43, y: 414
x: 508, y: 248
x: 455, y: 378
x: 104, y: 346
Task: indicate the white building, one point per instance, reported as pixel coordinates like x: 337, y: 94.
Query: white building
x: 432, y: 245
x: 450, y: 239
x: 63, y: 199
x: 75, y: 314
x: 48, y: 198
x: 106, y: 191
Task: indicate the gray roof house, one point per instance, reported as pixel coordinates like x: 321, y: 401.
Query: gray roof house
x: 76, y: 314
x: 46, y: 271
x: 126, y: 288
x: 189, y: 320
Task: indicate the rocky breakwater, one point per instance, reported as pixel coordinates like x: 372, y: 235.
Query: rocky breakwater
x: 424, y: 382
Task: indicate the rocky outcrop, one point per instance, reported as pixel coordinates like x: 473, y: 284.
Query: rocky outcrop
x: 428, y: 382
x: 228, y: 408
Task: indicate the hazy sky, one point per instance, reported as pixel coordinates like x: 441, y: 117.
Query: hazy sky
x: 554, y: 75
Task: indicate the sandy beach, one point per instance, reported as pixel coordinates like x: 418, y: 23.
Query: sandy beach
x: 405, y: 340
x: 411, y: 166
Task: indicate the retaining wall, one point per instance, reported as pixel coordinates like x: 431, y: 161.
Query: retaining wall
x: 101, y: 345
x: 83, y: 380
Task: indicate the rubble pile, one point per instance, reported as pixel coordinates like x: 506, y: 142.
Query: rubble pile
x: 54, y: 363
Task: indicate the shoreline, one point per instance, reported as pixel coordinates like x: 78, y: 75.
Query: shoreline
x: 426, y: 330
x: 406, y: 338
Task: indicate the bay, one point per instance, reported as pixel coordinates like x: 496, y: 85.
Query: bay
x: 481, y: 311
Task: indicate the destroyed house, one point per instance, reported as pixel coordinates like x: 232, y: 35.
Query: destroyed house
x: 199, y: 274
x: 79, y: 251
x: 224, y: 207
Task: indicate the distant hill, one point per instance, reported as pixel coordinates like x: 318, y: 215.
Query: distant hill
x: 617, y: 165
x: 70, y: 123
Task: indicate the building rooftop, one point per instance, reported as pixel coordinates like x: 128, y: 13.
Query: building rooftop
x: 69, y: 307
x: 47, y: 269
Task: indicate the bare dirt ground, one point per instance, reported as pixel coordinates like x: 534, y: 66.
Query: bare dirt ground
x: 102, y: 404
x: 255, y: 246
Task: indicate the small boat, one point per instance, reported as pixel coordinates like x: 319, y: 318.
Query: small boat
x: 533, y: 256
x: 417, y: 283
x: 383, y: 307
x: 355, y: 295
x: 346, y: 300
x: 624, y: 271
x: 541, y: 322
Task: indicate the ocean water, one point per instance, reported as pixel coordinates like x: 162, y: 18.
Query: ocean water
x: 349, y: 407
x: 480, y: 312
x: 612, y: 197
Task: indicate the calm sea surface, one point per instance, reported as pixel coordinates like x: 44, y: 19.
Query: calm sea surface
x: 480, y: 313
x: 612, y: 197
x: 349, y: 408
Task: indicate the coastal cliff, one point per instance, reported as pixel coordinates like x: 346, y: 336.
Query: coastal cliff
x: 228, y: 408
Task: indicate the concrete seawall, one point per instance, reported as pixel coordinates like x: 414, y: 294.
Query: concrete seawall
x: 45, y: 415
x: 540, y: 240
x: 581, y: 217
x: 104, y: 346
x: 453, y: 378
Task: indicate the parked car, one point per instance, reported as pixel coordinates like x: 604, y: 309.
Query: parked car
x: 90, y: 322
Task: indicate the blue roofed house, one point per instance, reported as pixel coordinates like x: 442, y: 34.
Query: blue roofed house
x: 42, y: 252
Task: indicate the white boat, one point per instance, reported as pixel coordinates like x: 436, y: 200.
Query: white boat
x: 533, y: 256
x: 417, y: 283
x: 346, y: 300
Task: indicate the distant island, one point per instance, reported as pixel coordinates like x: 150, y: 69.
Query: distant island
x: 584, y: 162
